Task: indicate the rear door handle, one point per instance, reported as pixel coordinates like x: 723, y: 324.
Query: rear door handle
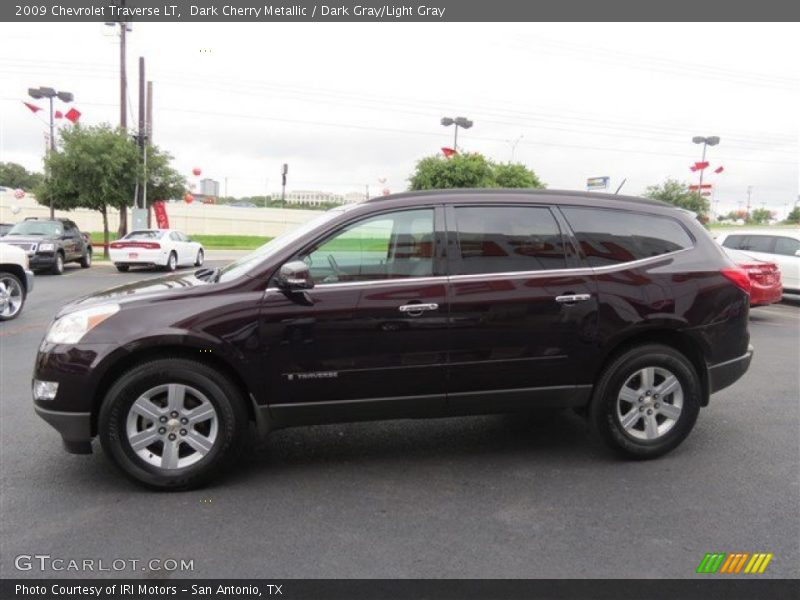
x: 572, y: 298
x: 415, y: 310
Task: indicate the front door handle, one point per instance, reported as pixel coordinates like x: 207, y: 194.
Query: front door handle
x: 415, y: 310
x: 572, y: 298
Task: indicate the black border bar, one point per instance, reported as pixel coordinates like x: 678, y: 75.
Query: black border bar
x: 403, y: 10
x: 701, y: 587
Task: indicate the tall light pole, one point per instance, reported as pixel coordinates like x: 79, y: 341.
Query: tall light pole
x: 50, y: 93
x: 706, y: 141
x: 513, y: 144
x: 458, y: 122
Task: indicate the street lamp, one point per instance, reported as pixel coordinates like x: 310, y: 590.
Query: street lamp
x: 712, y: 140
x: 458, y: 122
x: 50, y: 93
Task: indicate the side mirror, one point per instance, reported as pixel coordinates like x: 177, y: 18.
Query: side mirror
x: 294, y: 276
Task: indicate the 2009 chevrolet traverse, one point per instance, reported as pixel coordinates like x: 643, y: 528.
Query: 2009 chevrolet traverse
x: 420, y: 304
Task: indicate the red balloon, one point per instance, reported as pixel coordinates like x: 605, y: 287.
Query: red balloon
x: 188, y: 198
x: 196, y: 171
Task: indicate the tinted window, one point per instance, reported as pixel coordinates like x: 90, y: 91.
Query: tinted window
x: 502, y: 239
x: 786, y: 246
x: 759, y: 243
x: 609, y: 237
x: 733, y: 241
x: 389, y: 246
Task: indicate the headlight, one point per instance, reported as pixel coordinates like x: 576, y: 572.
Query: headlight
x: 70, y: 328
x: 46, y: 247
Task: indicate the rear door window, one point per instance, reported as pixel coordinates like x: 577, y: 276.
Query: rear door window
x: 733, y: 241
x: 500, y: 239
x: 610, y: 237
x: 787, y: 246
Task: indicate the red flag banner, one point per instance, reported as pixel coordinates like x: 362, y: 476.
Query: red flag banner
x: 448, y: 152
x: 719, y: 170
x: 695, y: 188
x: 699, y: 166
x: 33, y: 108
x: 73, y: 115
x: 58, y: 114
x: 160, y: 209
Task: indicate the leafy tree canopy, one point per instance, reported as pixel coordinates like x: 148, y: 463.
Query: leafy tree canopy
x: 13, y: 175
x: 470, y: 171
x: 677, y: 193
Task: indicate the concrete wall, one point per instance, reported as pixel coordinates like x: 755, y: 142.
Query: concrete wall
x: 192, y: 218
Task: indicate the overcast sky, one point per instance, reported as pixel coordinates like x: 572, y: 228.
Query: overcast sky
x: 347, y: 105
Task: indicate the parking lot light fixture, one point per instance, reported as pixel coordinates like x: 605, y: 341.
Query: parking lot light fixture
x: 50, y: 93
x: 462, y: 122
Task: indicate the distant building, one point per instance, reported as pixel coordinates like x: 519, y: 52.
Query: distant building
x: 209, y: 187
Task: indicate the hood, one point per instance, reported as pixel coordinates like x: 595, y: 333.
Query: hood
x: 168, y: 285
x: 28, y: 239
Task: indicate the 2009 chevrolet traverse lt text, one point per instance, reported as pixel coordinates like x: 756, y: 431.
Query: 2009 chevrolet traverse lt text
x: 415, y: 305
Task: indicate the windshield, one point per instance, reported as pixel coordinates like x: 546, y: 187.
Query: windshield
x: 37, y: 228
x: 243, y: 265
x: 143, y: 235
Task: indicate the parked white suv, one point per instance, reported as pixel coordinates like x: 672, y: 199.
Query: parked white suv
x: 780, y: 246
x: 16, y: 281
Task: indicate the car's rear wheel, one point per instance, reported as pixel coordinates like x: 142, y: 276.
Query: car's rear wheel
x: 86, y: 260
x: 646, y: 401
x: 12, y: 296
x: 122, y: 268
x: 172, y: 262
x: 58, y: 264
x: 200, y: 258
x: 173, y: 423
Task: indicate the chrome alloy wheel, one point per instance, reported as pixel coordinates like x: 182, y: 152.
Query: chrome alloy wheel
x: 11, y: 297
x: 649, y: 403
x: 172, y: 426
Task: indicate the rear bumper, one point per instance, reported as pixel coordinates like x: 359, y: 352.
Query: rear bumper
x: 75, y: 428
x: 142, y: 257
x: 727, y: 373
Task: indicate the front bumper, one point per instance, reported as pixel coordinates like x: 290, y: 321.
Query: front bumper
x: 75, y: 428
x: 727, y: 373
x: 40, y: 261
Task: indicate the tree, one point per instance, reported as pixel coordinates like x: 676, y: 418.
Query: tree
x: 761, y: 215
x: 14, y: 175
x: 794, y: 216
x: 163, y: 182
x: 677, y: 193
x: 470, y: 171
x: 96, y: 168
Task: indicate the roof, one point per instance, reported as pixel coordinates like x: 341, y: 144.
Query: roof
x: 554, y: 195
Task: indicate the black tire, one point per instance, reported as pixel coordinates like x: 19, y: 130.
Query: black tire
x: 172, y: 262
x: 603, y: 410
x: 223, y: 395
x: 58, y: 264
x: 122, y: 268
x: 86, y: 260
x: 200, y: 258
x: 13, y: 286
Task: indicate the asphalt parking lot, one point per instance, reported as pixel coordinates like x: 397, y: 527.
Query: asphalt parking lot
x: 493, y: 497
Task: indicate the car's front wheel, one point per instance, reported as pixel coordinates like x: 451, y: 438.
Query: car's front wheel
x: 173, y: 423
x: 646, y: 401
x: 58, y: 264
x: 12, y: 296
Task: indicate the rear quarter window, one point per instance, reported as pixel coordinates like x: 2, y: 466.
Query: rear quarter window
x: 610, y: 237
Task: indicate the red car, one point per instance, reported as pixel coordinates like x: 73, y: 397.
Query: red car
x: 765, y: 278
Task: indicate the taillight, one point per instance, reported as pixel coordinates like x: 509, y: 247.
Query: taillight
x: 144, y: 245
x: 738, y: 277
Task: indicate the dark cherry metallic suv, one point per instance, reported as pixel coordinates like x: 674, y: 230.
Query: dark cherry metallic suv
x: 417, y: 305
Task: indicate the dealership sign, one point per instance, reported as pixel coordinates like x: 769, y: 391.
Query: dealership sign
x: 597, y: 183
